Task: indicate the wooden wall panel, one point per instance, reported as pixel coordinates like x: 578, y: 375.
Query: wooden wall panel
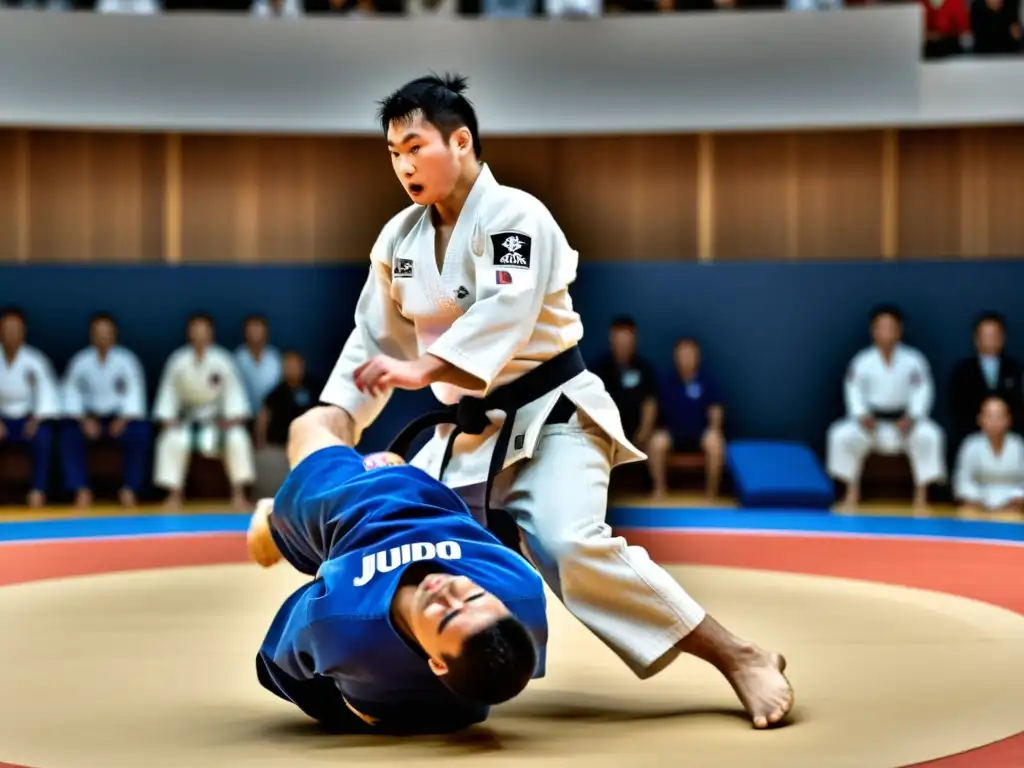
x: 839, y: 195
x: 11, y: 190
x: 115, y: 197
x: 753, y: 196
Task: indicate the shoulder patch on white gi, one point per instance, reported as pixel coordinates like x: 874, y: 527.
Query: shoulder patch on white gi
x: 403, y: 268
x: 511, y: 249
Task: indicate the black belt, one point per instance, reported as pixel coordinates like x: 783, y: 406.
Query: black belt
x: 469, y: 415
x: 883, y: 415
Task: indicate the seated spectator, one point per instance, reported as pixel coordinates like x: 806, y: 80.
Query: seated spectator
x: 996, y: 26
x: 104, y: 394
x: 692, y: 419
x: 630, y: 381
x: 946, y: 24
x: 989, y: 372
x: 202, y: 407
x: 258, y: 363
x: 295, y: 395
x: 989, y: 472
x: 29, y: 400
x: 889, y: 395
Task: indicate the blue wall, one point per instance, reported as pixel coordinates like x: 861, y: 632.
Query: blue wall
x: 778, y: 336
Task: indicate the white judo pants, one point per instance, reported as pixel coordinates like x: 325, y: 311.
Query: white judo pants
x: 175, y: 446
x: 559, y: 499
x: 849, y: 445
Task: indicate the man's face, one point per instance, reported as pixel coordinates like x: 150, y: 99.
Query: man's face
x: 426, y: 164
x: 687, y: 357
x: 885, y: 330
x: 989, y: 338
x: 448, y: 609
x: 255, y: 332
x: 200, y: 333
x: 12, y: 331
x: 102, y: 333
x: 623, y: 342
x: 294, y: 368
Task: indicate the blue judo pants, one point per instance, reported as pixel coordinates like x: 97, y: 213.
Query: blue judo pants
x: 134, y: 445
x: 40, y: 445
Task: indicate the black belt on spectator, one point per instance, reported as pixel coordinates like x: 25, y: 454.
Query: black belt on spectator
x: 883, y: 415
x: 469, y: 415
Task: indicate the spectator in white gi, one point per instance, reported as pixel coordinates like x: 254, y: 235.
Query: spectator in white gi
x: 889, y: 395
x: 29, y: 400
x: 104, y: 394
x: 989, y: 472
x: 259, y: 363
x: 201, y: 406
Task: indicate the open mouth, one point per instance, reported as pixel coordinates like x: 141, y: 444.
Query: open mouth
x: 415, y: 189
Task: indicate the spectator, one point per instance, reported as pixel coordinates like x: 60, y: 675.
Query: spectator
x: 259, y: 364
x: 889, y: 397
x: 996, y: 26
x: 631, y: 382
x: 692, y: 419
x: 104, y: 394
x: 201, y: 406
x: 989, y: 473
x: 295, y: 395
x: 29, y: 400
x: 946, y: 23
x: 988, y: 372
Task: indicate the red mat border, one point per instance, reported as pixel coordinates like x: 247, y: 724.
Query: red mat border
x: 989, y: 573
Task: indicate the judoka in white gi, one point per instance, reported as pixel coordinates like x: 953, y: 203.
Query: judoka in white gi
x: 259, y: 364
x: 468, y: 291
x: 889, y: 395
x: 202, y: 407
x: 104, y: 395
x: 989, y: 471
x: 29, y: 400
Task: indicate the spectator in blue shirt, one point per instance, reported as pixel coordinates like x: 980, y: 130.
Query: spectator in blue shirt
x: 691, y: 416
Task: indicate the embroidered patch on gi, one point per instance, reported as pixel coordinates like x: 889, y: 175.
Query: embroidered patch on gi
x: 519, y: 442
x: 403, y: 268
x: 502, y: 277
x: 511, y: 249
x: 462, y: 293
x: 382, y: 459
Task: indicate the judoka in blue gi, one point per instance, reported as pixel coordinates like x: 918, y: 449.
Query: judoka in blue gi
x: 417, y: 620
x: 29, y: 400
x: 104, y: 394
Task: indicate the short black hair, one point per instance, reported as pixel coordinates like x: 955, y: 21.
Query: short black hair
x: 254, y: 318
x: 990, y: 317
x: 441, y: 102
x: 891, y: 310
x: 203, y: 316
x: 495, y: 664
x: 103, y: 316
x: 624, y: 321
x: 12, y: 312
x: 686, y: 340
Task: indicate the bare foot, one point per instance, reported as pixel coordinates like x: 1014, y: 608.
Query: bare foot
x: 127, y: 498
x: 173, y: 502
x: 239, y: 503
x: 36, y: 499
x: 261, y: 544
x: 83, y: 499
x: 755, y: 675
x: 761, y: 685
x: 659, y: 493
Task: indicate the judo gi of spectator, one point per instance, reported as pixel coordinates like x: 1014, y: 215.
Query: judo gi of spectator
x: 29, y: 400
x: 202, y: 407
x: 989, y: 471
x: 889, y: 395
x: 104, y: 394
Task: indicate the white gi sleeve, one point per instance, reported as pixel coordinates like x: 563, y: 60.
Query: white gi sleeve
x: 46, y: 401
x: 965, y: 488
x: 133, y: 403
x: 236, y: 398
x: 380, y: 329
x: 922, y: 389
x: 167, y: 406
x: 71, y: 395
x: 522, y: 249
x: 853, y: 388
